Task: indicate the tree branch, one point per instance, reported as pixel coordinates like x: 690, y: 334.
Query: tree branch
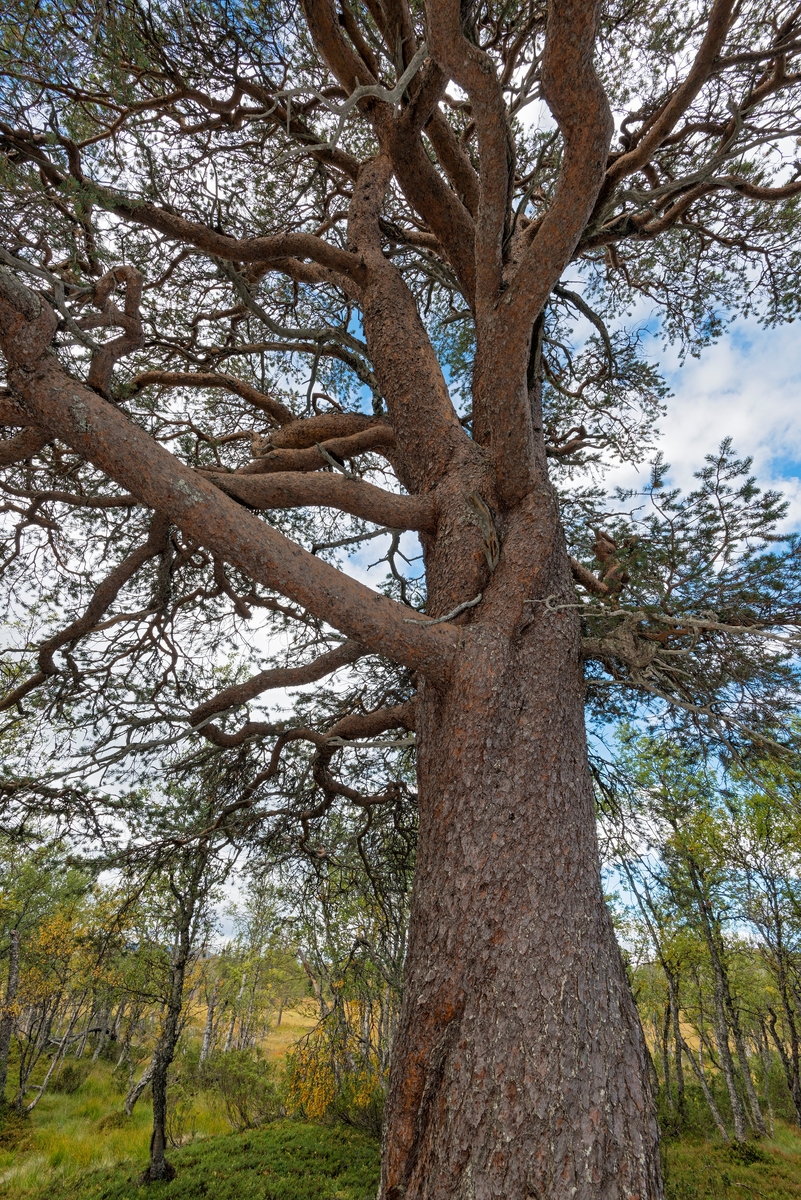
x: 657, y: 128
x: 575, y: 95
x: 104, y: 435
x: 21, y: 446
x: 375, y: 437
x: 325, y: 490
x: 474, y: 70
x: 406, y: 365
x: 309, y: 431
x: 274, y: 409
x: 105, y: 595
x: 277, y: 677
x: 132, y: 337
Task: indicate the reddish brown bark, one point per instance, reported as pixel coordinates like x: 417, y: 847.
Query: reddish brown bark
x: 519, y: 1069
x: 289, y: 490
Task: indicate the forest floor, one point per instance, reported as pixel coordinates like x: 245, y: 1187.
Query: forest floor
x: 82, y: 1147
x: 293, y: 1160
x: 69, y: 1134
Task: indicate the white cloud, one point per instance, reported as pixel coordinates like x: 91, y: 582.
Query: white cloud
x: 748, y: 387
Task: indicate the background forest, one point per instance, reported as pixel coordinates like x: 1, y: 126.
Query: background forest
x: 282, y: 978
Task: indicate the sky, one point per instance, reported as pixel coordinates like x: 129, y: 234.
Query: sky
x: 747, y: 386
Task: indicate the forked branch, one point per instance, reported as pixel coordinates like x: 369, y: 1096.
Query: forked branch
x: 101, y: 433
x: 104, y: 596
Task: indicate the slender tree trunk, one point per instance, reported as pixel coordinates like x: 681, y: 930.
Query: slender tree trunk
x: 130, y: 1029
x: 698, y: 1068
x: 318, y: 991
x: 765, y: 1060
x: 84, y: 1037
x: 162, y: 1058
x: 135, y: 1091
x: 757, y: 1119
x: 36, y: 1045
x: 785, y: 1060
x: 727, y: 1064
x: 794, y: 1074
x: 57, y: 1059
x: 102, y: 1036
x: 208, y: 1029
x: 9, y: 1009
x: 664, y: 1042
x: 723, y: 1005
x: 677, y: 1041
x: 519, y: 1068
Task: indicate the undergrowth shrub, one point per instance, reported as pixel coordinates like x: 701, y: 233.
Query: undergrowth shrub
x: 71, y: 1077
x: 115, y: 1120
x: 330, y: 1075
x: 15, y: 1129
x: 250, y: 1088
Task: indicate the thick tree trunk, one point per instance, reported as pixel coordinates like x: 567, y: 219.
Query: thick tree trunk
x: 519, y: 1068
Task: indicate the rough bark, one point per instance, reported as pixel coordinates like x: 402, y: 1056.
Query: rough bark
x: 516, y: 1009
x: 520, y: 1068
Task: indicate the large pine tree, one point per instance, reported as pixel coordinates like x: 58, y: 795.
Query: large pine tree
x: 278, y: 280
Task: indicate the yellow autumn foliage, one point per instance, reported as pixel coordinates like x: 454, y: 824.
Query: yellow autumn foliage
x: 329, y: 1073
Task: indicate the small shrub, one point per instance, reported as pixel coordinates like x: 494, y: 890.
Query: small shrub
x: 115, y: 1120
x: 746, y: 1153
x: 181, y: 1115
x: 329, y: 1077
x: 250, y: 1089
x: 71, y: 1077
x: 15, y: 1129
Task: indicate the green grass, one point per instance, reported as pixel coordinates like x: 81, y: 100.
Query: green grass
x: 66, y: 1134
x: 287, y: 1160
x: 290, y: 1160
x: 697, y: 1169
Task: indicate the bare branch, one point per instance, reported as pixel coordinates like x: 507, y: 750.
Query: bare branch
x: 274, y: 409
x: 103, y: 434
x: 105, y: 594
x: 294, y: 490
x: 283, y: 677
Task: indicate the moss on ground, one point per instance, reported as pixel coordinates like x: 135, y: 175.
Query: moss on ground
x: 292, y: 1160
x: 287, y: 1160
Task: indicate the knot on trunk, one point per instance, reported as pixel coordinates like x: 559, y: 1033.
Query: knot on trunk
x: 623, y: 644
